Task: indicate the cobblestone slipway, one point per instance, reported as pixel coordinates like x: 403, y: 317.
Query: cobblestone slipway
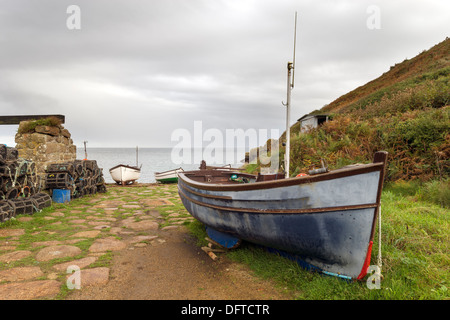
x: 129, y: 243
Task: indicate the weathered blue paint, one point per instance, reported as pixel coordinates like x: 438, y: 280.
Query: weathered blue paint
x: 332, y: 241
x: 224, y: 239
x: 326, y: 224
x: 301, y: 262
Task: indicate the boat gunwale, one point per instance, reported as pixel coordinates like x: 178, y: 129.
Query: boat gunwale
x: 126, y: 166
x: 169, y: 171
x: 335, y: 174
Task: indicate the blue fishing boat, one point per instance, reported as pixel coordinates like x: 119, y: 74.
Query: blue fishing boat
x: 325, y: 219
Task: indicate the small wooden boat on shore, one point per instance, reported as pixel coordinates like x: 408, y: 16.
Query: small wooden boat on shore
x: 169, y: 176
x: 326, y: 221
x: 125, y: 174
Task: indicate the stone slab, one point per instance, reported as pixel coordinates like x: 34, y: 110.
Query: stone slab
x: 142, y: 225
x: 14, y: 256
x: 11, y: 232
x: 29, y: 290
x: 54, y: 252
x: 20, y: 274
x: 80, y: 263
x: 86, y: 234
x: 94, y: 276
x: 107, y: 244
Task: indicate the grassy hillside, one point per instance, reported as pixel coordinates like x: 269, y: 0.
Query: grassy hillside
x: 406, y: 112
x: 426, y: 73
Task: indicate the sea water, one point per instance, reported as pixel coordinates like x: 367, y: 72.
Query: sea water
x: 152, y: 160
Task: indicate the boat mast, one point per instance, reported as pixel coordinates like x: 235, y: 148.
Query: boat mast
x: 290, y: 86
x: 85, y: 151
x: 137, y: 162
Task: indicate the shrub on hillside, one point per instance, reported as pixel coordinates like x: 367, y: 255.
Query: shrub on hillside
x: 418, y: 143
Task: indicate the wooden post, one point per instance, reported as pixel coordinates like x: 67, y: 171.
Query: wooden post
x: 16, y: 119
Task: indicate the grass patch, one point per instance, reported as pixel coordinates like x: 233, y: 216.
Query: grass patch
x: 438, y: 192
x: 197, y: 229
x: 31, y: 125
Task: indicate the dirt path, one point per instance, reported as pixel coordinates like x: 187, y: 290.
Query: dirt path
x: 177, y: 269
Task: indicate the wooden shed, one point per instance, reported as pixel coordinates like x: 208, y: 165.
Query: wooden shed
x: 310, y: 121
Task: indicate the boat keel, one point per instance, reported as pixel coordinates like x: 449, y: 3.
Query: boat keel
x: 223, y: 239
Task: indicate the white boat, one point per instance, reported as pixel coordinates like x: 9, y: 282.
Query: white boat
x: 168, y: 176
x: 124, y: 174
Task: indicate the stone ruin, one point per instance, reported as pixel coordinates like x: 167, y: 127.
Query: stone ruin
x: 51, y: 149
x: 44, y: 159
x: 45, y: 145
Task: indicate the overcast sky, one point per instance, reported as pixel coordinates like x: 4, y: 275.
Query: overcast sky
x: 138, y: 70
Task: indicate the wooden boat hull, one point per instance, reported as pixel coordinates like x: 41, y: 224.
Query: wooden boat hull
x: 123, y: 174
x: 169, y: 176
x: 327, y: 221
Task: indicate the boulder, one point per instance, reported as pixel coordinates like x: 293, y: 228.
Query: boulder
x: 53, y: 131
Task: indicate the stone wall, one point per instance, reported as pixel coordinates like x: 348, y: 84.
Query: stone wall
x: 45, y: 145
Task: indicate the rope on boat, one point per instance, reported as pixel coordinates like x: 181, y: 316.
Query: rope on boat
x: 379, y: 261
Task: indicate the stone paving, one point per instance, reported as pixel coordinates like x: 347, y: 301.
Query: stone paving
x: 38, y: 252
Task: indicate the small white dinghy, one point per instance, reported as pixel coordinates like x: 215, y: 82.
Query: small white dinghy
x: 126, y: 174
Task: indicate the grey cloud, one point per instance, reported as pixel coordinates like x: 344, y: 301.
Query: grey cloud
x: 137, y: 70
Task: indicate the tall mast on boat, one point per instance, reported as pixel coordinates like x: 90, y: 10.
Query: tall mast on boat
x: 85, y: 151
x: 137, y: 156
x: 290, y: 86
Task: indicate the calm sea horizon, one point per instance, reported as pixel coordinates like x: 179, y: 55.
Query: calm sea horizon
x: 152, y: 160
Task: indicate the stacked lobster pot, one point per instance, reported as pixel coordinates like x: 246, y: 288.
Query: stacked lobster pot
x: 20, y: 186
x: 81, y: 177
